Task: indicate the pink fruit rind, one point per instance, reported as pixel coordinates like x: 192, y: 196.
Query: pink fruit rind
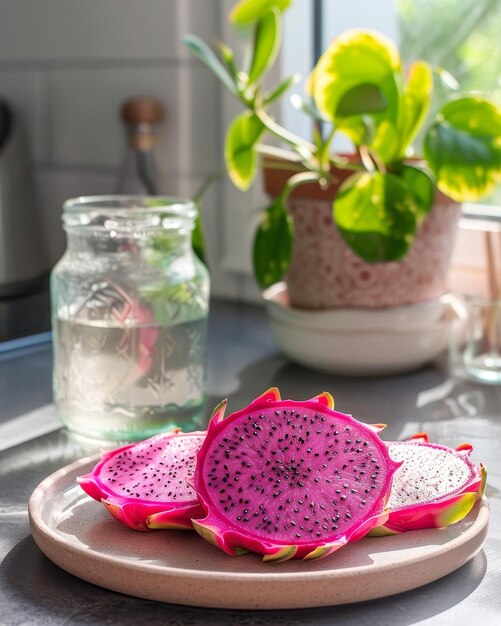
x: 231, y: 536
x: 446, y: 507
x: 148, y: 512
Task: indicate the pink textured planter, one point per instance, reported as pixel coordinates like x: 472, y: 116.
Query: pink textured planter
x: 326, y: 274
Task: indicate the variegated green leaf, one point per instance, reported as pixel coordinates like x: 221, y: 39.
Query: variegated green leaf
x: 267, y: 38
x: 415, y: 103
x: 361, y: 99
x: 421, y: 186
x: 207, y: 56
x: 359, y: 65
x: 239, y: 150
x: 248, y: 12
x: 280, y: 89
x: 376, y: 216
x: 272, y: 245
x: 197, y: 237
x: 463, y: 148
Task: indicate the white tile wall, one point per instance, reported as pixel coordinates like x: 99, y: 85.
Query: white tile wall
x: 84, y: 113
x: 201, y: 141
x: 54, y: 186
x: 62, y: 30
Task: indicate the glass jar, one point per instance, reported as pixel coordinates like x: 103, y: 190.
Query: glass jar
x: 129, y: 307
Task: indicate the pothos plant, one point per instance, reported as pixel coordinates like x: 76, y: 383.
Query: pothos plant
x: 358, y: 88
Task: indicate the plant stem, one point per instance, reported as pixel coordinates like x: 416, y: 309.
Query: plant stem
x: 283, y: 134
x: 206, y: 183
x: 336, y: 159
x: 380, y: 166
x: 328, y: 139
x: 345, y: 164
x: 294, y: 161
x: 279, y: 153
x: 296, y: 180
x: 289, y: 166
x: 366, y: 159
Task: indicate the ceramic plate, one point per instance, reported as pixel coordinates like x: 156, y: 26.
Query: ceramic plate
x: 179, y: 567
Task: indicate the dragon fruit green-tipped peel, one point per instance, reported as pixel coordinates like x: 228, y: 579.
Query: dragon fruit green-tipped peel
x: 147, y: 485
x: 435, y: 486
x: 290, y: 479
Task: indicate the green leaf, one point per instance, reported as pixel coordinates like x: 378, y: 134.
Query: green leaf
x: 376, y: 216
x: 272, y: 245
x: 248, y: 12
x: 421, y: 186
x: 267, y: 38
x: 415, y: 102
x: 463, y: 148
x: 361, y: 129
x: 361, y: 99
x: 205, y: 54
x: 386, y: 141
x: 239, y: 150
x: 354, y: 59
x: 228, y: 57
x: 197, y: 237
x: 280, y: 89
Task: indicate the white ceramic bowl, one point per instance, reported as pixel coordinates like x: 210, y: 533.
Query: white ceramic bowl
x: 389, y: 318
x: 359, y: 341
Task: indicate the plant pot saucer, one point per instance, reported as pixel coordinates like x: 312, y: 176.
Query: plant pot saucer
x: 360, y: 342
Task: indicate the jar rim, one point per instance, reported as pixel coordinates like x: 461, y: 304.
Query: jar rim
x: 116, y: 204
x: 126, y: 214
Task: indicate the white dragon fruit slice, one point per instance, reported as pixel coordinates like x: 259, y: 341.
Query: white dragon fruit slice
x: 289, y: 479
x: 435, y: 486
x: 147, y: 485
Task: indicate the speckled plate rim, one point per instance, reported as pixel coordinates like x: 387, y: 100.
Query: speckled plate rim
x: 287, y: 586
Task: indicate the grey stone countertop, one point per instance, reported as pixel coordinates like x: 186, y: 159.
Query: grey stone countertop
x: 243, y: 361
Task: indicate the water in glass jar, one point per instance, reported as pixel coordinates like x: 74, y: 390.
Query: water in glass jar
x: 125, y: 383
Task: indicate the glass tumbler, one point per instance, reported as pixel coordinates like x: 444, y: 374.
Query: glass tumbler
x: 482, y: 354
x: 129, y: 316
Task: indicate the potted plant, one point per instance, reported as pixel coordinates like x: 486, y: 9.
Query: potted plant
x: 370, y: 229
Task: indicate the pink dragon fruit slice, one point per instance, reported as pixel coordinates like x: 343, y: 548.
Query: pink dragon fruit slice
x: 435, y: 486
x: 288, y: 479
x: 147, y: 485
